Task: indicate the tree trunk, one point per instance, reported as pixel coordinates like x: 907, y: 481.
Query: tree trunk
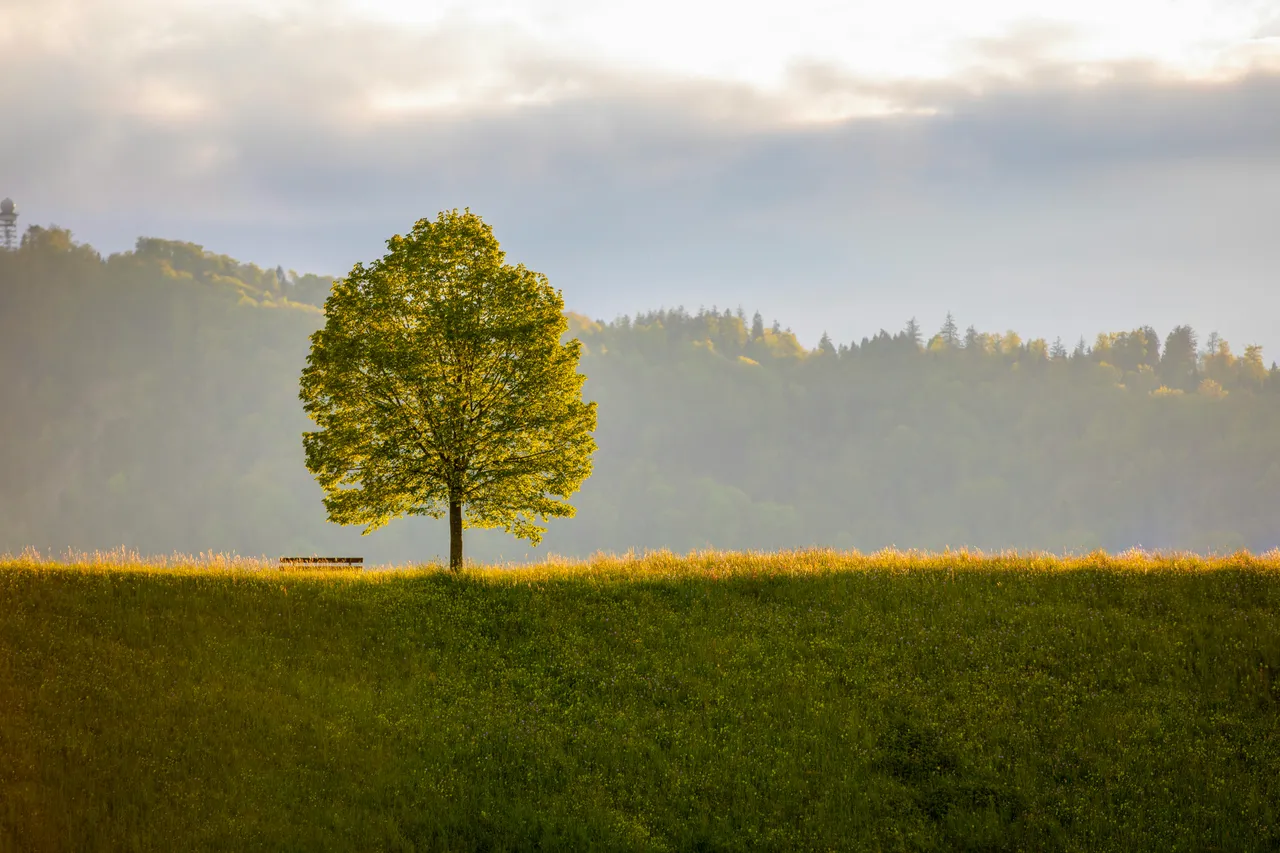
x: 455, y: 535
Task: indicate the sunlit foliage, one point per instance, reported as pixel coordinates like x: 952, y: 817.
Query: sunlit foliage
x: 150, y: 400
x: 440, y: 386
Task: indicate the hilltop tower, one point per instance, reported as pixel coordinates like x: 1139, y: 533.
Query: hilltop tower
x: 8, y: 224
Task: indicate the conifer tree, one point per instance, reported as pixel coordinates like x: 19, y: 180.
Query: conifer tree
x: 911, y: 333
x: 1179, y: 366
x: 950, y: 333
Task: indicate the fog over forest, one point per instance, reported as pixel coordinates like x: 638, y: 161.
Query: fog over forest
x: 875, y: 407
x: 151, y: 402
x: 1029, y: 184
x: 920, y: 274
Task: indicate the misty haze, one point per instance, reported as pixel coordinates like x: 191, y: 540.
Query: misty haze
x: 154, y: 405
x: 864, y: 421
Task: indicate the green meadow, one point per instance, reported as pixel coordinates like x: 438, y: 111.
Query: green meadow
x: 794, y: 701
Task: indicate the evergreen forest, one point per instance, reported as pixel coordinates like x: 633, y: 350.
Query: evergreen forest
x: 150, y: 400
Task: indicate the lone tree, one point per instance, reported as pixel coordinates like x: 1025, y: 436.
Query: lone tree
x: 439, y: 383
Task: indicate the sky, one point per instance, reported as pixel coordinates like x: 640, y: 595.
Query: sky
x: 1056, y: 168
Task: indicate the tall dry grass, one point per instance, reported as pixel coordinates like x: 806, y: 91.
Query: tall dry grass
x: 666, y: 565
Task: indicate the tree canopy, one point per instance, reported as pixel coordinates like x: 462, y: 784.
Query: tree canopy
x: 440, y: 384
x: 150, y: 399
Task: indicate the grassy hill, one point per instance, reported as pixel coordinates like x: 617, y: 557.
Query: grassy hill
x: 809, y: 700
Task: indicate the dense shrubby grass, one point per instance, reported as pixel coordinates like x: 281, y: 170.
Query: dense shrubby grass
x: 791, y: 701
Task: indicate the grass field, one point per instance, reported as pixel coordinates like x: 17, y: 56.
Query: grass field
x: 808, y: 700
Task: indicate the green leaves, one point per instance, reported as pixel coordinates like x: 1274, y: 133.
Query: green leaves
x: 440, y: 377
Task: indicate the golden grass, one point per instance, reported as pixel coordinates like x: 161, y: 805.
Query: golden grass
x: 803, y: 700
x: 665, y: 565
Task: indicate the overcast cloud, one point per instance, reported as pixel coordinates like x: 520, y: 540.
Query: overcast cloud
x: 1031, y: 192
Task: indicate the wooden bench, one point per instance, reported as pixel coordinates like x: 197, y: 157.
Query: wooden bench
x: 355, y: 563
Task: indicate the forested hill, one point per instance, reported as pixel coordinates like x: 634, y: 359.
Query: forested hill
x: 150, y: 400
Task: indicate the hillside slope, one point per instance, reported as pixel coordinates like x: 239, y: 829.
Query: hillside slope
x: 777, y: 702
x: 151, y: 401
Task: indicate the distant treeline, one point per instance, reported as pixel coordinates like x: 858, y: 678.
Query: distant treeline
x: 151, y: 401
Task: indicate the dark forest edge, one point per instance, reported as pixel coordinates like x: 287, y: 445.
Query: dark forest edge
x: 154, y: 404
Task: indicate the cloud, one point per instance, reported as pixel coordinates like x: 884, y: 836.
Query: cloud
x: 1029, y: 192
x: 1270, y: 29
